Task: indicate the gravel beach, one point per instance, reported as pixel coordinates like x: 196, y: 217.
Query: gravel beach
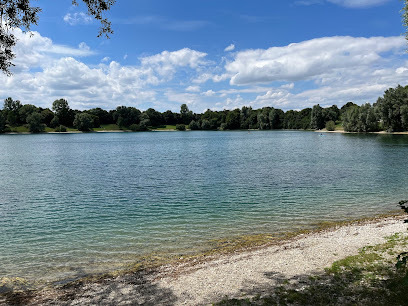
x: 246, y: 273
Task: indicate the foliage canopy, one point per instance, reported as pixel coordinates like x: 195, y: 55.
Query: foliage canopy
x: 21, y: 14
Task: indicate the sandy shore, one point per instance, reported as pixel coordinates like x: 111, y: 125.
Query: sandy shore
x: 246, y: 273
x: 380, y: 132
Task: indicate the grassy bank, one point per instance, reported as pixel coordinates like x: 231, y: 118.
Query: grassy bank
x: 102, y: 128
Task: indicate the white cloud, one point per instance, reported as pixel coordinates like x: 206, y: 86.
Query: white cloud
x: 345, y: 3
x: 166, y: 62
x: 288, y: 86
x: 231, y: 47
x: 358, y: 3
x: 208, y: 93
x: 83, y: 46
x: 309, y: 59
x: 77, y: 18
x: 183, y: 57
x: 309, y: 2
x: 59, y: 73
x: 331, y: 70
x: 191, y: 99
x: 36, y: 50
x: 193, y: 88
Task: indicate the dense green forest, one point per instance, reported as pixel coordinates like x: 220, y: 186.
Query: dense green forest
x: 389, y: 113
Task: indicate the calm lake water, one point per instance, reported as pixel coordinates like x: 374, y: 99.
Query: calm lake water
x: 75, y: 204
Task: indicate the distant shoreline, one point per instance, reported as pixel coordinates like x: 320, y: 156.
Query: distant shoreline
x: 169, y: 130
x: 380, y: 132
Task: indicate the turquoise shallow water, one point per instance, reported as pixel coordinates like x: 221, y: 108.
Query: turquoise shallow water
x: 76, y: 204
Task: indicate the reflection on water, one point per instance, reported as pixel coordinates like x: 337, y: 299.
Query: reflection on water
x: 72, y: 204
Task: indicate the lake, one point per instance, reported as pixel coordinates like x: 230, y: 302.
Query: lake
x: 74, y: 204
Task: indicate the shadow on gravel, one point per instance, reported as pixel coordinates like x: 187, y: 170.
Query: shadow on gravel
x: 348, y: 287
x: 131, y: 289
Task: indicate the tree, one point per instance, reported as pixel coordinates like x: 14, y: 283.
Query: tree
x: 290, y: 120
x: 126, y: 116
x: 345, y: 107
x: 180, y: 127
x: 367, y: 119
x: 185, y: 114
x: 104, y: 116
x: 263, y: 120
x: 2, y: 122
x: 331, y: 113
x: 351, y: 119
x: 63, y: 112
x: 25, y: 111
x: 317, y: 118
x: 20, y: 14
x: 194, y: 125
x: 169, y: 117
x: 206, y: 125
x: 83, y: 122
x: 233, y: 119
x: 389, y: 108
x: 34, y: 123
x: 11, y: 109
x: 330, y: 125
x: 156, y: 118
x: 54, y: 122
x: 48, y: 115
x: 304, y: 118
x: 405, y: 18
x: 404, y: 116
x: 276, y: 117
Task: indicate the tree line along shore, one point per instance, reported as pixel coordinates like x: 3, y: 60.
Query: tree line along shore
x: 389, y: 113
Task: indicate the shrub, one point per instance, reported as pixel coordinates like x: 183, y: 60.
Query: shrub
x: 194, y: 125
x: 138, y: 127
x: 61, y: 128
x: 83, y: 122
x: 34, y: 123
x: 54, y: 123
x: 180, y: 127
x: 330, y: 125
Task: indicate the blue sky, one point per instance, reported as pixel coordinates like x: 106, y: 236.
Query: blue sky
x: 223, y: 54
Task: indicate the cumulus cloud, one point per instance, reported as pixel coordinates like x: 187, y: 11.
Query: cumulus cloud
x: 36, y: 50
x: 77, y: 18
x: 308, y: 59
x: 288, y: 86
x: 193, y: 88
x: 47, y: 71
x: 358, y: 3
x: 330, y: 70
x: 166, y: 63
x: 208, y: 93
x: 231, y: 47
x: 360, y: 86
x: 345, y: 3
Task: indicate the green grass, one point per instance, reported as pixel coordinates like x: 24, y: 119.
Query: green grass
x: 107, y: 127
x: 48, y: 129
x: 338, y: 126
x: 164, y: 127
x: 19, y: 129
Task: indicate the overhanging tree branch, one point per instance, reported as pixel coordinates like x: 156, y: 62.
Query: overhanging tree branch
x: 20, y: 14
